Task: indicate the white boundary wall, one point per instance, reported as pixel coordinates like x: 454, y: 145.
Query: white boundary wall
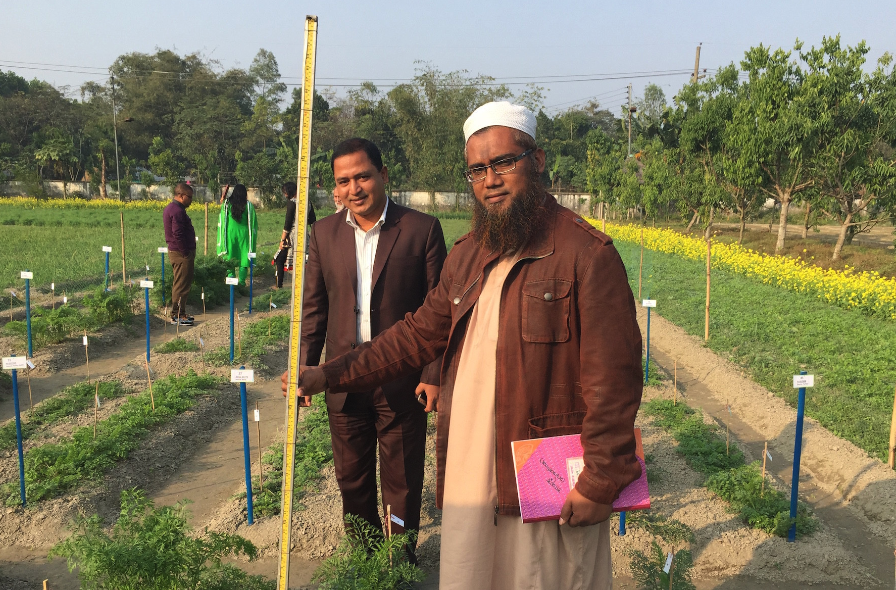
x: 422, y: 200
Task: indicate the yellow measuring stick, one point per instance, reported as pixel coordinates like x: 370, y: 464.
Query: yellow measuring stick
x: 295, y: 326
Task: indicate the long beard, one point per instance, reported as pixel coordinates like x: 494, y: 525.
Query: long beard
x: 509, y: 230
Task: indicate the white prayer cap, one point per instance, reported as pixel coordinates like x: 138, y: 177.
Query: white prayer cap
x: 500, y: 113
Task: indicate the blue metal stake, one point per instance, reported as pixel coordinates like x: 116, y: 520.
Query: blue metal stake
x: 28, y: 315
x: 797, y: 452
x: 163, y: 280
x: 231, y: 323
x: 146, y: 299
x: 647, y: 364
x: 622, y: 524
x: 251, y: 267
x: 107, y: 271
x: 246, y: 449
x: 15, y: 397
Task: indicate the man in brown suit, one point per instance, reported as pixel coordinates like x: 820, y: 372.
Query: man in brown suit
x: 367, y: 268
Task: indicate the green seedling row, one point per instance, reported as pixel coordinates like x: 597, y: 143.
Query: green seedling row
x: 68, y: 403
x: 55, y: 468
x: 727, y: 475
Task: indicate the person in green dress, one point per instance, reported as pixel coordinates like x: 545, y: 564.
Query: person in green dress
x: 237, y: 230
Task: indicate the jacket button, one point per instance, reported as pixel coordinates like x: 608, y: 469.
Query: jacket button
x: 548, y: 296
x: 353, y: 345
x: 457, y: 301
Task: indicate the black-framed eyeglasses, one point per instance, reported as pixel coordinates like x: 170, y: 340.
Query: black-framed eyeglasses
x: 478, y: 173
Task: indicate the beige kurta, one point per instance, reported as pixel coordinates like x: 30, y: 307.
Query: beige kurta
x: 475, y: 553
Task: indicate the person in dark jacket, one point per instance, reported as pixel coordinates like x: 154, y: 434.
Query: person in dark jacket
x: 181, y: 240
x: 285, y: 255
x: 368, y: 266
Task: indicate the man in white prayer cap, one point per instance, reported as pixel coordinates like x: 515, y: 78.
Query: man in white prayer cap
x: 536, y: 321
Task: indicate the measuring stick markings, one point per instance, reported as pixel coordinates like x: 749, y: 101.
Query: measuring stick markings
x: 295, y: 331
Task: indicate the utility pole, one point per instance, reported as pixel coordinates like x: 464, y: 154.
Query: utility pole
x: 115, y: 131
x: 697, y: 75
x: 631, y: 109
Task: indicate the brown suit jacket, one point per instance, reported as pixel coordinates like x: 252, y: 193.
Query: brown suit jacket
x: 407, y: 266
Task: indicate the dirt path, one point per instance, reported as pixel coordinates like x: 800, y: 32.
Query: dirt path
x: 881, y: 236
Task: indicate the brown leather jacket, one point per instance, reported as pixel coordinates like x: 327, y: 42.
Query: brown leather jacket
x: 569, y: 352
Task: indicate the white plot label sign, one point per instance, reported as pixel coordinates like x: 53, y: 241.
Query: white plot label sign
x: 163, y: 250
x: 242, y: 376
x: 800, y: 381
x: 27, y: 275
x: 648, y: 303
x: 15, y: 362
x: 252, y: 255
x: 146, y: 284
x: 232, y: 281
x: 107, y: 248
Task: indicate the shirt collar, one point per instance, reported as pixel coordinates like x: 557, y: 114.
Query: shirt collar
x: 350, y: 218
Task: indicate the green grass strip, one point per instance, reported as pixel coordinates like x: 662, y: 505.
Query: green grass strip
x: 176, y: 345
x: 314, y: 451
x: 703, y: 448
x: 279, y: 297
x: 255, y: 343
x: 66, y: 404
x: 773, y: 333
x: 55, y: 468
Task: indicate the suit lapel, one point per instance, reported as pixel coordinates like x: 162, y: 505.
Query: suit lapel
x: 388, y: 235
x: 345, y: 243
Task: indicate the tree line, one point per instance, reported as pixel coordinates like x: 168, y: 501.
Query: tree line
x: 812, y: 125
x: 815, y: 126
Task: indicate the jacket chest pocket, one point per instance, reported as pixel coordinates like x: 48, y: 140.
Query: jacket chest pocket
x: 546, y: 310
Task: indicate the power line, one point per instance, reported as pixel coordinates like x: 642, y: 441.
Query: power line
x: 495, y: 81
x: 604, y: 95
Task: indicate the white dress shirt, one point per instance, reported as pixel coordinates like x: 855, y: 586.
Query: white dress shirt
x: 365, y: 255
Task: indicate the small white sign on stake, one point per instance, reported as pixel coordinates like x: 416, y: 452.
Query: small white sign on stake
x: 396, y: 520
x: 85, y: 340
x: 163, y: 250
x: 273, y: 305
x: 64, y: 299
x: 15, y: 362
x: 146, y: 284
x: 769, y: 455
x: 800, y: 381
x: 27, y: 275
x: 257, y: 416
x: 203, y: 295
x: 232, y: 281
x: 648, y: 303
x: 107, y: 248
x: 668, y: 565
x: 30, y: 364
x: 52, y: 286
x: 252, y: 255
x: 242, y: 376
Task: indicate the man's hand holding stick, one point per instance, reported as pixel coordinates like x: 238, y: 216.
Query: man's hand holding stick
x: 311, y: 381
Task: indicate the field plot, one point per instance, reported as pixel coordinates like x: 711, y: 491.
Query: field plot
x: 773, y: 333
x: 703, y: 508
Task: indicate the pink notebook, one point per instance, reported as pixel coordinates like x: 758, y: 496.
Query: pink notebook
x: 548, y: 468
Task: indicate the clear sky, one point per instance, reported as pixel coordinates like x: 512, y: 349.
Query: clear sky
x: 386, y: 40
